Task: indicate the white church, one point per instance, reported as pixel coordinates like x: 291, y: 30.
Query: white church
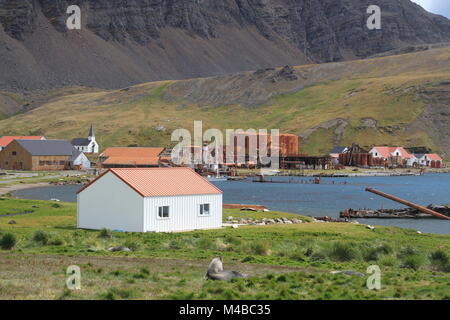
x: 86, y: 145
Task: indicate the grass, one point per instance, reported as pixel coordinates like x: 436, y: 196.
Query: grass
x: 284, y: 261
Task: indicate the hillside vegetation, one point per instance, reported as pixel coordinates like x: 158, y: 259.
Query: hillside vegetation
x: 397, y: 100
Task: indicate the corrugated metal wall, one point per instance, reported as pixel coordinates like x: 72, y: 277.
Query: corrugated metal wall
x: 184, y: 213
x: 110, y: 203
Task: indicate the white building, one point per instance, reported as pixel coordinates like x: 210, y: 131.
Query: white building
x: 86, y: 145
x: 80, y: 160
x: 150, y: 200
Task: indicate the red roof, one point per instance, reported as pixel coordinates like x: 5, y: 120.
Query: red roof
x: 5, y: 140
x: 155, y: 182
x: 386, y: 152
x: 131, y: 156
x: 433, y: 157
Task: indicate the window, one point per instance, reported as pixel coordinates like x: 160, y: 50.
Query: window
x: 163, y: 212
x: 14, y: 153
x: 204, y: 209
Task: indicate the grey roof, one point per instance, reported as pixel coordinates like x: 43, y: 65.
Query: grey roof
x: 75, y: 155
x: 47, y: 147
x: 80, y: 142
x: 338, y: 149
x: 418, y: 155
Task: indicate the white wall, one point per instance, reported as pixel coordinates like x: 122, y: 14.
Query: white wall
x: 110, y: 203
x: 83, y: 161
x: 184, y: 213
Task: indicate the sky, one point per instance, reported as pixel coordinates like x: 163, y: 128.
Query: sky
x: 441, y: 7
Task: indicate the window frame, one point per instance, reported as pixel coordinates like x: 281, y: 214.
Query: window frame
x: 201, y: 210
x: 162, y: 217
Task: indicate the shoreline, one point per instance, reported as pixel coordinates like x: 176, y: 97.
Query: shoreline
x: 23, y: 186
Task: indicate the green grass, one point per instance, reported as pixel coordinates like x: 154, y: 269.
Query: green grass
x: 285, y: 261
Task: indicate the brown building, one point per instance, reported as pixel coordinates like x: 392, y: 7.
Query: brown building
x: 288, y: 143
x: 37, y: 155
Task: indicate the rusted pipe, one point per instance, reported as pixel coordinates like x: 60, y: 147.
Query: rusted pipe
x: 409, y: 204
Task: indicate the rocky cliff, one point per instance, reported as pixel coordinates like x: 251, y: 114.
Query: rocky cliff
x: 127, y: 42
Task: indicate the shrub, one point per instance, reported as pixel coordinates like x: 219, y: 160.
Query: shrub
x: 57, y: 242
x: 262, y: 248
x: 8, y: 241
x: 205, y: 243
x: 411, y: 258
x: 117, y: 293
x: 105, y: 233
x: 388, y: 260
x: 414, y: 261
x: 133, y: 245
x: 340, y: 251
x: 41, y: 237
x: 440, y: 260
x: 370, y: 254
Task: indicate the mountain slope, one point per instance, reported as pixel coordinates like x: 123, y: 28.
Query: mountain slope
x: 397, y: 100
x: 129, y: 42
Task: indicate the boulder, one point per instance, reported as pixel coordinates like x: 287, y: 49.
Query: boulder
x: 119, y: 248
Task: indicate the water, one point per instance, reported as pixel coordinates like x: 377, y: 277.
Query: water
x: 319, y: 200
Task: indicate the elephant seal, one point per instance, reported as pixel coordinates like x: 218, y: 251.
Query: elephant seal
x: 216, y: 272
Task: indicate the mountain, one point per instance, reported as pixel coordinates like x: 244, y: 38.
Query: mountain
x: 122, y: 43
x: 396, y: 100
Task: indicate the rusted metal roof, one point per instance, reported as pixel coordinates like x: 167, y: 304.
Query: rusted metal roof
x: 131, y: 156
x: 157, y: 182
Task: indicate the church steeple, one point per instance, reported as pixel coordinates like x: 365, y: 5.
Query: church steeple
x: 91, y: 133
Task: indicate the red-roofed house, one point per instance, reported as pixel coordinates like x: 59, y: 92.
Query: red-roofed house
x: 393, y: 155
x: 389, y: 152
x: 5, y: 140
x: 432, y: 160
x: 150, y: 200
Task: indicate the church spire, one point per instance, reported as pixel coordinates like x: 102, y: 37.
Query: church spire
x: 91, y: 132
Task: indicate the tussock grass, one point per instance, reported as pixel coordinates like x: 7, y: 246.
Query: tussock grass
x: 173, y: 265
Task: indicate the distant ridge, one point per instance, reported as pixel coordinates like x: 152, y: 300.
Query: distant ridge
x: 128, y: 42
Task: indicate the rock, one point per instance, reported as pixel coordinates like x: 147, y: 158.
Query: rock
x: 160, y: 128
x: 419, y: 232
x: 288, y: 222
x: 12, y: 222
x: 235, y: 226
x: 370, y: 227
x: 119, y: 248
x: 270, y: 221
x: 349, y: 273
x: 296, y: 221
x: 315, y: 28
x: 230, y: 218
